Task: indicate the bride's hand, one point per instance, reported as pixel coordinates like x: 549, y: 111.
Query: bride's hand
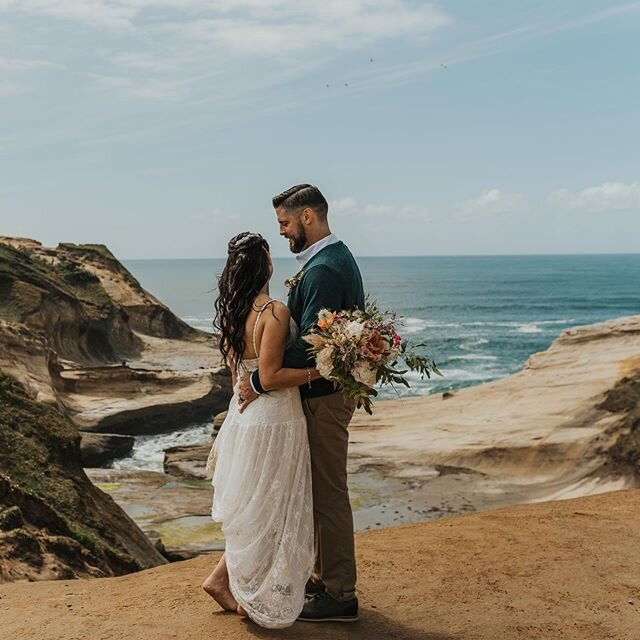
x: 246, y: 394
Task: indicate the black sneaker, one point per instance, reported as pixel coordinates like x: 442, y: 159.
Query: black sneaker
x: 312, y: 588
x: 323, y: 608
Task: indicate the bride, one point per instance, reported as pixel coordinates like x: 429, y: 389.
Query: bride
x: 260, y: 458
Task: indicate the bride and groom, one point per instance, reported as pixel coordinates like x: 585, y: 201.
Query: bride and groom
x: 279, y: 462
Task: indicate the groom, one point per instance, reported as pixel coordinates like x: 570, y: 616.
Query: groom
x: 329, y: 278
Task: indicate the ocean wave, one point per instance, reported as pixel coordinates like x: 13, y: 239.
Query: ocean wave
x: 517, y: 324
x: 473, y: 356
x: 453, y: 375
x: 412, y: 325
x: 471, y: 344
x: 529, y: 328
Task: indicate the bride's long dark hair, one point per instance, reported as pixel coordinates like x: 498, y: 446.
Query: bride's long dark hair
x: 247, y: 270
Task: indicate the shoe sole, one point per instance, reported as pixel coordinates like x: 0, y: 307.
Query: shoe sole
x: 334, y: 619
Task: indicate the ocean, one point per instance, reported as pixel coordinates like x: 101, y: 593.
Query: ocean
x: 480, y: 317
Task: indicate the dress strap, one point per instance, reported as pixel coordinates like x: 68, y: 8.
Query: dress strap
x: 255, y: 326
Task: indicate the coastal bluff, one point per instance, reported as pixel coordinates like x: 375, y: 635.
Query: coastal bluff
x: 561, y: 569
x: 81, y: 333
x: 566, y: 425
x: 87, y: 359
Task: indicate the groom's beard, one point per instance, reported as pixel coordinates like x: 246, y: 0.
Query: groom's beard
x: 298, y: 242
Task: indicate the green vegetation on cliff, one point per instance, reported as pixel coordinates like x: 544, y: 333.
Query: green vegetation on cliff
x: 624, y: 398
x: 55, y: 295
x: 24, y: 279
x: 54, y: 523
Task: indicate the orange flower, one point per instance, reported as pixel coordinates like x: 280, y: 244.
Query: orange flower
x: 325, y: 319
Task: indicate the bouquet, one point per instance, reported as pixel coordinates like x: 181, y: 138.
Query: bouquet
x: 360, y: 349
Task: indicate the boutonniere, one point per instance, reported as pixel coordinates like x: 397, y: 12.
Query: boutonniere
x: 291, y: 282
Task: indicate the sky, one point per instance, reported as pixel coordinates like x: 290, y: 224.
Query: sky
x: 161, y: 128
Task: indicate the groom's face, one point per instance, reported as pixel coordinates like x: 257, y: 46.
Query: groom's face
x: 292, y: 229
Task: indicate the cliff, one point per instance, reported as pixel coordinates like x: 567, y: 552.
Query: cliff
x: 54, y: 523
x: 78, y: 330
x: 566, y: 425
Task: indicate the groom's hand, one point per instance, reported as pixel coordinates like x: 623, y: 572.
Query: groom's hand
x: 246, y: 394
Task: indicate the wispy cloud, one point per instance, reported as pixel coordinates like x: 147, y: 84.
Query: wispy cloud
x: 348, y: 206
x: 609, y: 196
x: 492, y: 202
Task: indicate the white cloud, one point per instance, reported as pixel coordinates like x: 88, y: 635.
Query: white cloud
x: 180, y: 41
x: 609, y: 196
x: 273, y: 26
x: 492, y: 202
x: 349, y: 206
x: 21, y: 65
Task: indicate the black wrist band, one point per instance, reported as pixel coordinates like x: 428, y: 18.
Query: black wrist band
x: 255, y: 382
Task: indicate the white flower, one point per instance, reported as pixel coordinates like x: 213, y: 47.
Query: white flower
x: 324, y: 362
x: 363, y: 372
x: 354, y: 328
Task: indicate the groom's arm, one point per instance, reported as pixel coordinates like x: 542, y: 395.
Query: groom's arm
x: 322, y: 289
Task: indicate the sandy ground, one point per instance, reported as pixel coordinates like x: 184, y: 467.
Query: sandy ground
x: 565, y: 569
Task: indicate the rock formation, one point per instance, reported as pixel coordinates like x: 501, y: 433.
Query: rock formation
x: 54, y: 523
x: 84, y: 346
x: 78, y: 330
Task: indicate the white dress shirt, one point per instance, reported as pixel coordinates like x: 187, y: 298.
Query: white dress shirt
x: 304, y: 256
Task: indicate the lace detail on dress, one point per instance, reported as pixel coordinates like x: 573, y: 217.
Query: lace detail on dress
x: 262, y: 498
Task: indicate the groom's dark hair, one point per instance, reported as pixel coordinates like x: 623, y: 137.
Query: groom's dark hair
x: 300, y: 197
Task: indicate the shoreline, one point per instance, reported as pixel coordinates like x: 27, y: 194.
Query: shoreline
x: 539, y: 434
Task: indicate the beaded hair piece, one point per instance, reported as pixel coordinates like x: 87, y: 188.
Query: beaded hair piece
x: 244, y: 242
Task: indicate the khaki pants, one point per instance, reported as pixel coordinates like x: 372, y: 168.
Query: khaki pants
x: 327, y: 420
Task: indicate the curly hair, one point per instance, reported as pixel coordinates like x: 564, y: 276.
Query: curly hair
x: 245, y: 273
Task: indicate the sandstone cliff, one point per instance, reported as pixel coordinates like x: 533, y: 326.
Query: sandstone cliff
x: 54, y: 523
x: 84, y: 346
x: 78, y: 330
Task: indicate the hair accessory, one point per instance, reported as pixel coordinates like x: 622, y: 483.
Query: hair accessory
x: 245, y: 241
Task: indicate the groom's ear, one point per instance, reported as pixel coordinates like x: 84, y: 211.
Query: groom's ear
x: 308, y: 215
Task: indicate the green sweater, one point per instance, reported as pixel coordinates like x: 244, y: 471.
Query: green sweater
x: 330, y: 280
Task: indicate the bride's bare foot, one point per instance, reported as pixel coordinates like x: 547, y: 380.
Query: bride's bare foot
x: 220, y: 592
x: 242, y: 612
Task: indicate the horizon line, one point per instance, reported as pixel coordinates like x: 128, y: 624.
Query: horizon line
x: 432, y: 255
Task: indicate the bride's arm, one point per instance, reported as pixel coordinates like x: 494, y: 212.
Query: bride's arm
x: 233, y: 368
x: 272, y: 346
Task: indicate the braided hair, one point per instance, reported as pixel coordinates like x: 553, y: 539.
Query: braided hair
x: 245, y: 273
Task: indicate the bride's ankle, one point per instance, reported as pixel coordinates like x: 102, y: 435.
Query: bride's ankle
x: 215, y: 582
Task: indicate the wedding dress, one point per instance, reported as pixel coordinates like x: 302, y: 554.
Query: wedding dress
x: 262, y: 497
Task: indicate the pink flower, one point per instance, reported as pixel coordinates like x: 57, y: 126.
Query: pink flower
x: 374, y: 348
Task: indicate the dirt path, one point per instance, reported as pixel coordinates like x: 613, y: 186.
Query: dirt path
x: 566, y: 569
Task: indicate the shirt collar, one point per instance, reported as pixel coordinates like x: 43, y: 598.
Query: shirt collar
x: 304, y: 256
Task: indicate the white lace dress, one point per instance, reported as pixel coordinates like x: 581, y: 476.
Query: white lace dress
x: 262, y: 497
